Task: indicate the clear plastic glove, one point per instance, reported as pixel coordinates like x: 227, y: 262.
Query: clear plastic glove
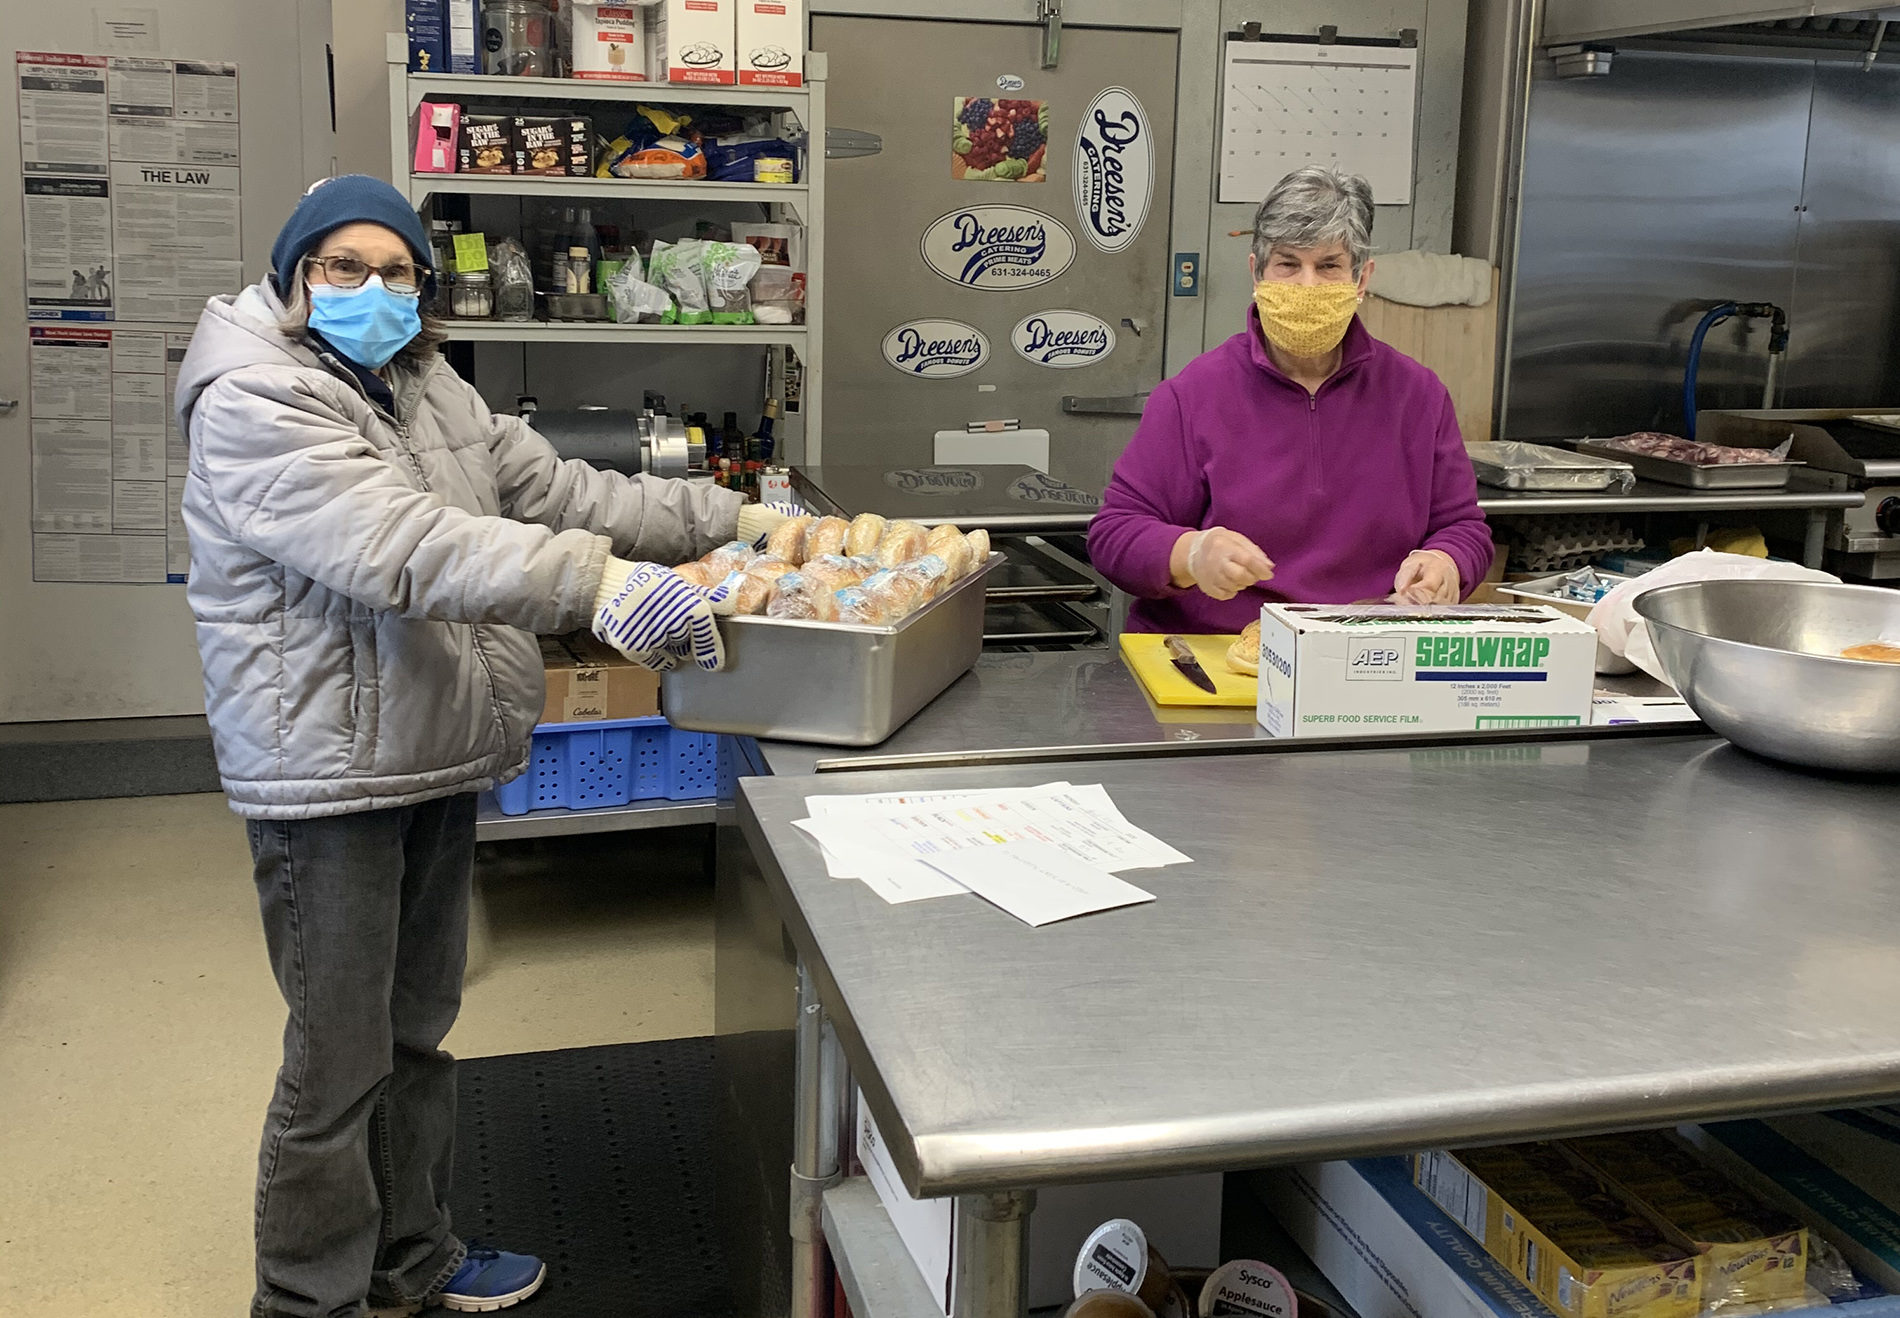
x: 1221, y: 562
x: 656, y: 619
x: 1427, y: 576
x: 757, y: 521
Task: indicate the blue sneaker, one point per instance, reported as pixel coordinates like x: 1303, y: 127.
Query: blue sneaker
x: 491, y: 1279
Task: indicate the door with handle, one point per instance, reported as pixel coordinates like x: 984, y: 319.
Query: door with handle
x: 1004, y: 258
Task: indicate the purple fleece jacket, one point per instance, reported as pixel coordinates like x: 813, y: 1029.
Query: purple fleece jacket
x: 1337, y: 488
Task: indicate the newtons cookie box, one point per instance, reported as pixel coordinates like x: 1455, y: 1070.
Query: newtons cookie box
x: 1333, y: 670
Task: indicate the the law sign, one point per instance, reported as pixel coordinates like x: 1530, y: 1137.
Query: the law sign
x: 936, y: 349
x: 1062, y: 339
x: 1114, y: 169
x: 998, y: 248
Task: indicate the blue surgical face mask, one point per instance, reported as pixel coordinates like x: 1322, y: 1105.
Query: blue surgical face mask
x: 368, y: 324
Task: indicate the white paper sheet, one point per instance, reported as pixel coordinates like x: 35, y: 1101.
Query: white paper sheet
x: 1070, y: 818
x: 1036, y: 882
x: 1607, y: 710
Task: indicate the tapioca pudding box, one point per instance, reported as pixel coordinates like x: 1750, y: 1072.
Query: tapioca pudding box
x: 1340, y: 670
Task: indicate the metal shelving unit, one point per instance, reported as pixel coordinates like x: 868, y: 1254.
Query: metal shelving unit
x: 491, y: 825
x: 802, y: 433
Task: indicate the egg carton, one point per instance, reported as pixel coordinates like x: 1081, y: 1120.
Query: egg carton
x: 1563, y: 544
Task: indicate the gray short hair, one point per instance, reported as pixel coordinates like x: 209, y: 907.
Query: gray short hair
x: 1312, y: 207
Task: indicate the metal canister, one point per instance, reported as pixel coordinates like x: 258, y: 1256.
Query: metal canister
x: 775, y: 485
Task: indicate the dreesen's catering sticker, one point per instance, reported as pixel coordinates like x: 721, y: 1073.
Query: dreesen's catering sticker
x: 936, y: 349
x: 998, y: 248
x: 1114, y: 169
x: 936, y: 481
x: 1062, y: 339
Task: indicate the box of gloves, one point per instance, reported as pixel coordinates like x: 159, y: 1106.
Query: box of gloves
x: 1349, y: 670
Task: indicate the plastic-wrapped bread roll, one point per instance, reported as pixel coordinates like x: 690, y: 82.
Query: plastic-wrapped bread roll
x: 699, y: 574
x: 756, y: 582
x: 788, y: 541
x: 950, y: 544
x: 731, y: 557
x: 825, y: 536
x: 790, y: 597
x: 902, y: 542
x: 883, y: 599
x: 866, y: 530
x: 930, y: 572
x: 979, y: 541
x: 769, y: 566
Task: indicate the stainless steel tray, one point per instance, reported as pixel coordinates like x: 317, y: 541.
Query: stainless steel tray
x: 1700, y: 476
x: 830, y: 682
x: 1563, y: 470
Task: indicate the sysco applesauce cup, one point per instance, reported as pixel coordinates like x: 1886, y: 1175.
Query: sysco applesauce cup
x: 1117, y: 1257
x: 1249, y: 1288
x: 1107, y: 1304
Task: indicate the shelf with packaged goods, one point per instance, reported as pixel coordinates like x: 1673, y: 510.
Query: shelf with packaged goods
x: 542, y: 331
x: 453, y: 87
x: 424, y: 186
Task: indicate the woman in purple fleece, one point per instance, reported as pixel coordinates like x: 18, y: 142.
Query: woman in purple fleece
x: 1302, y: 460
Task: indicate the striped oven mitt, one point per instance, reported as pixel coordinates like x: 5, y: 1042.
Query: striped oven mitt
x: 656, y: 619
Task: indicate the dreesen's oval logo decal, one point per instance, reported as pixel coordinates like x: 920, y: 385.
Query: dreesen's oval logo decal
x: 998, y: 249
x: 1114, y: 169
x: 1063, y: 339
x: 936, y: 349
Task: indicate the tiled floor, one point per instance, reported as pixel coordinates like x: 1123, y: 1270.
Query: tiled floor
x: 139, y: 1027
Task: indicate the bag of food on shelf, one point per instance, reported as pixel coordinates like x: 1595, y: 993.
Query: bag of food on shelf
x: 679, y: 268
x: 778, y: 296
x: 656, y: 144
x: 634, y: 301
x: 729, y: 270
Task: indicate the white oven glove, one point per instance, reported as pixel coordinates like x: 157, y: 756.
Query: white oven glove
x: 656, y: 619
x: 757, y: 521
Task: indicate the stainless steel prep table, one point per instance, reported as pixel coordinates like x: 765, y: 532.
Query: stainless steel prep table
x: 1375, y: 950
x: 1654, y: 497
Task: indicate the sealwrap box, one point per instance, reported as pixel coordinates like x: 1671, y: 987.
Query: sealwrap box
x: 693, y: 41
x: 1753, y: 1254
x: 1329, y: 670
x: 771, y: 43
x: 1575, y: 1244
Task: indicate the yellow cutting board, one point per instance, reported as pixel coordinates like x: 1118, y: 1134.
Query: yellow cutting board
x: 1147, y: 658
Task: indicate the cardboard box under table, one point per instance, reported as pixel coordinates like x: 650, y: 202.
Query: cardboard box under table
x: 589, y: 681
x: 1327, y: 670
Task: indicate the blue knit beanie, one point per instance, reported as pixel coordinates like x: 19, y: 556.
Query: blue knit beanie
x: 332, y: 203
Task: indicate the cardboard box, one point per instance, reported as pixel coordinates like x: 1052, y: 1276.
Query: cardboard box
x: 771, y: 43
x: 425, y: 26
x: 1753, y: 1254
x: 1563, y: 1233
x: 438, y: 129
x: 1329, y: 670
x: 554, y: 147
x: 610, y: 42
x: 588, y: 682
x: 463, y: 36
x: 487, y: 145
x: 1180, y: 1214
x: 1390, y: 1251
x: 1837, y: 1171
x: 693, y: 41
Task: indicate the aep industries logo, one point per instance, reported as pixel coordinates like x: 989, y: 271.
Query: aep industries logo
x: 998, y: 248
x: 1114, y: 169
x: 936, y: 349
x: 1062, y: 339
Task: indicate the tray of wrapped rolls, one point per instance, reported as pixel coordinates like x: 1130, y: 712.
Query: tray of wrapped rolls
x: 842, y: 630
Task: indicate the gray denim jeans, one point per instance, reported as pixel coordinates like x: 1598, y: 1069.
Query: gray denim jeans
x: 366, y: 919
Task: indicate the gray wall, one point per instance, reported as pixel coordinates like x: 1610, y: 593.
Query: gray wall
x: 1680, y: 181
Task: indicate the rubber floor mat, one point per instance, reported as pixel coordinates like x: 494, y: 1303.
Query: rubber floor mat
x: 600, y: 1161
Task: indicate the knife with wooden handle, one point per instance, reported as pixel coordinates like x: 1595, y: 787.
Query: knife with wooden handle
x: 1189, y: 667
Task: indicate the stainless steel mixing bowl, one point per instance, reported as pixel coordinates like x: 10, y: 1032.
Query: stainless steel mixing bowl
x: 1759, y: 662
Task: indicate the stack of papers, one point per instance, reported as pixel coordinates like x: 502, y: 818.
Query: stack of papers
x: 1042, y: 853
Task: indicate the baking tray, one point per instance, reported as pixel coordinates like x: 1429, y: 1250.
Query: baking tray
x: 1034, y: 622
x: 1700, y: 475
x: 833, y: 683
x: 1026, y: 574
x: 1556, y: 469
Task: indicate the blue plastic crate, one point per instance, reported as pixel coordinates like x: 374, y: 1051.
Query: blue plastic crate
x: 584, y: 766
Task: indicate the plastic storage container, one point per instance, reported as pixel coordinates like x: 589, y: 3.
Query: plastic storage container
x: 585, y: 766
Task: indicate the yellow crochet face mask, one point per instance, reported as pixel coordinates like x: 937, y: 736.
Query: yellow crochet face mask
x: 1305, y: 320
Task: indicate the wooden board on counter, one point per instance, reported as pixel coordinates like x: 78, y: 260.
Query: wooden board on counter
x: 1460, y: 343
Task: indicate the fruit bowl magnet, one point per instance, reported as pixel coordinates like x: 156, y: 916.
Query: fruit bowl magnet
x: 998, y: 140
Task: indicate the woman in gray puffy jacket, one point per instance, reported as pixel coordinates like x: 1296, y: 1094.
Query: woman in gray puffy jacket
x: 373, y: 552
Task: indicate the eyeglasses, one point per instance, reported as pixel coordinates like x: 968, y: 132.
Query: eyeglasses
x: 404, y: 277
